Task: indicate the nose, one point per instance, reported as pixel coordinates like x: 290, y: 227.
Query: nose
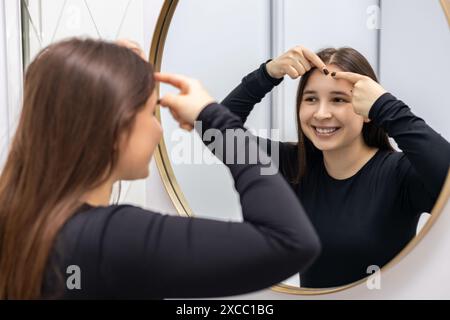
x: 323, y: 112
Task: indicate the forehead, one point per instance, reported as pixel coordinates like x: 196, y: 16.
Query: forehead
x: 322, y: 83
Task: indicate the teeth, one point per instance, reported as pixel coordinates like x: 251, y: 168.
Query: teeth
x: 326, y: 130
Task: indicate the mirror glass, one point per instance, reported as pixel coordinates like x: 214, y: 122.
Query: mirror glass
x: 220, y: 42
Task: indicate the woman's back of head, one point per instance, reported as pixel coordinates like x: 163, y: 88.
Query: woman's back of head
x: 79, y: 96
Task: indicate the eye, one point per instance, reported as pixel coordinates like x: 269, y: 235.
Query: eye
x: 310, y: 99
x: 340, y: 100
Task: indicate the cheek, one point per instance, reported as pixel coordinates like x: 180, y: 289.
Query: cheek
x: 144, y: 140
x: 156, y: 130
x: 305, y: 114
x: 147, y: 139
x: 351, y: 121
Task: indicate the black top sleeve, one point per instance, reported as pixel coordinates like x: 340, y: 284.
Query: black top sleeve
x: 426, y: 163
x: 250, y: 91
x: 134, y: 253
x: 241, y: 101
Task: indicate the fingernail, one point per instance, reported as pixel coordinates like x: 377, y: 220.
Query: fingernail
x: 325, y: 71
x: 333, y: 74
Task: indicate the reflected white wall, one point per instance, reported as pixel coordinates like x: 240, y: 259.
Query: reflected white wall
x: 218, y: 45
x: 415, y: 58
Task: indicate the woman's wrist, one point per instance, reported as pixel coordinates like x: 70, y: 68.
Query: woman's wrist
x: 273, y: 80
x: 268, y: 67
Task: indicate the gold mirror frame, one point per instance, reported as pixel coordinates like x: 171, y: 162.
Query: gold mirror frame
x: 180, y: 202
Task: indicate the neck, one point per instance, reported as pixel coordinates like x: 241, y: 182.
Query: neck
x: 99, y: 196
x: 345, y: 162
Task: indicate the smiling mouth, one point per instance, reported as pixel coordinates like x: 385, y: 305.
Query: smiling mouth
x: 325, y: 131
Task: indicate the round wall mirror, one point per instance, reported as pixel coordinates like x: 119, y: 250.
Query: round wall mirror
x: 220, y: 42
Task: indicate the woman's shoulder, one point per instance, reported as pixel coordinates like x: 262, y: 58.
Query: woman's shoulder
x: 390, y: 158
x: 91, y: 229
x: 90, y: 212
x: 289, y: 148
x: 94, y: 220
x: 92, y: 233
x: 391, y: 164
x: 87, y: 210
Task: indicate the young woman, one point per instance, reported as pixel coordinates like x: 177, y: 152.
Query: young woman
x: 87, y: 122
x: 363, y: 198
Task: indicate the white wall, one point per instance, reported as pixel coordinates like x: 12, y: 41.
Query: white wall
x: 4, y: 126
x: 419, y: 75
x: 11, y: 76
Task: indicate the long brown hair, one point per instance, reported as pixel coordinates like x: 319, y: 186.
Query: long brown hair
x: 79, y: 96
x: 350, y: 60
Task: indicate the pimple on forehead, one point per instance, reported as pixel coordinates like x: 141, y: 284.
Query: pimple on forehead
x: 333, y: 68
x: 322, y: 83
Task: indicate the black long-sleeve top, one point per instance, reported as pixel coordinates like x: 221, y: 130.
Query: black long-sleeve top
x: 127, y: 252
x: 367, y: 219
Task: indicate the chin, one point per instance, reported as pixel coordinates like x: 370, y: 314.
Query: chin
x: 324, y: 147
x: 138, y: 176
x: 144, y: 175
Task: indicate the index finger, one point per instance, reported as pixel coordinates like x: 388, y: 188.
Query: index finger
x: 349, y: 76
x: 128, y: 43
x: 176, y: 80
x: 314, y: 58
x: 132, y: 45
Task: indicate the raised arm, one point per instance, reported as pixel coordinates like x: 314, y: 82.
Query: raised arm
x: 148, y: 255
x: 254, y: 87
x: 427, y: 153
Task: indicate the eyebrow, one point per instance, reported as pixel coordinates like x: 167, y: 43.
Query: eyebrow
x: 332, y: 92
x: 340, y: 93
